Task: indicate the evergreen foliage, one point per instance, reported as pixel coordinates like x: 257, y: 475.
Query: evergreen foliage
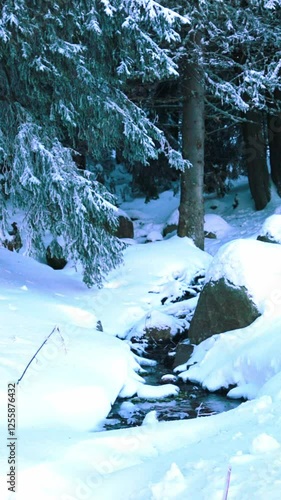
x: 240, y: 62
x: 63, y: 65
x: 241, y: 52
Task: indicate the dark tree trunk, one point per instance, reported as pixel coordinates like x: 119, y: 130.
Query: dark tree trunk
x: 191, y: 218
x: 255, y: 156
x: 274, y: 142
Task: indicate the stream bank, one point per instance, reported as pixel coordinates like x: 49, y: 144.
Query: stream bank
x: 192, y: 400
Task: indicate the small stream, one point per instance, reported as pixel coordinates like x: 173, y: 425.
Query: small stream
x: 191, y: 402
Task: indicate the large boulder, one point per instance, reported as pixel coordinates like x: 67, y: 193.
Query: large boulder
x: 222, y: 306
x: 242, y: 281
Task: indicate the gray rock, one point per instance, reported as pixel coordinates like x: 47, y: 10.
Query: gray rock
x: 158, y: 334
x: 169, y: 229
x: 210, y: 234
x: 125, y: 227
x: 169, y: 379
x: 271, y: 229
x: 183, y: 353
x: 54, y: 256
x: 267, y: 239
x: 221, y: 307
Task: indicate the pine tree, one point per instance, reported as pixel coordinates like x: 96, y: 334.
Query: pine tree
x: 63, y: 68
x: 235, y: 47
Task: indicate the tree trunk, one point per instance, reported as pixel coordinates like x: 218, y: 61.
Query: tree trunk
x: 255, y: 156
x: 191, y: 218
x: 274, y: 142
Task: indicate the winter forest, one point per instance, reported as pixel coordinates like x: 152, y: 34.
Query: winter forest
x: 140, y: 257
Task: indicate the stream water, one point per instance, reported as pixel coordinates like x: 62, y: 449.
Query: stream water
x: 191, y: 402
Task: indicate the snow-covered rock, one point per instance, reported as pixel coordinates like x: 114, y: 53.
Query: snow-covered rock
x: 154, y: 236
x: 157, y: 392
x: 222, y: 306
x: 215, y: 224
x: 238, y: 285
x: 271, y: 229
x: 158, y: 327
x: 252, y: 264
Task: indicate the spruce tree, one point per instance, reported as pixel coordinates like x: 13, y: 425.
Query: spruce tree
x: 235, y: 48
x: 63, y: 68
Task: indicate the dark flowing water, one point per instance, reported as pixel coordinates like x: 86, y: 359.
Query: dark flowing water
x: 191, y: 402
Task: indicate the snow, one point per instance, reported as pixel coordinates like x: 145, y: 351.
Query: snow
x: 34, y: 300
x: 272, y: 227
x: 264, y: 443
x: 150, y: 273
x: 154, y: 392
x: 213, y: 223
x: 241, y: 357
x: 216, y: 224
x: 253, y: 264
x: 154, y: 236
x: 160, y: 321
x: 173, y: 219
x: 150, y: 218
x: 150, y: 418
x: 67, y: 391
x: 171, y: 486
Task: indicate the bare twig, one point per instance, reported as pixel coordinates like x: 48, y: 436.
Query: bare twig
x: 227, y: 482
x: 55, y: 329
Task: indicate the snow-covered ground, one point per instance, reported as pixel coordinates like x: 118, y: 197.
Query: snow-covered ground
x: 67, y: 390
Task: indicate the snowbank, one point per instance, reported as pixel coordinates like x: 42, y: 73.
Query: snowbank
x: 245, y: 358
x: 171, y: 460
x: 271, y: 228
x: 79, y: 372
